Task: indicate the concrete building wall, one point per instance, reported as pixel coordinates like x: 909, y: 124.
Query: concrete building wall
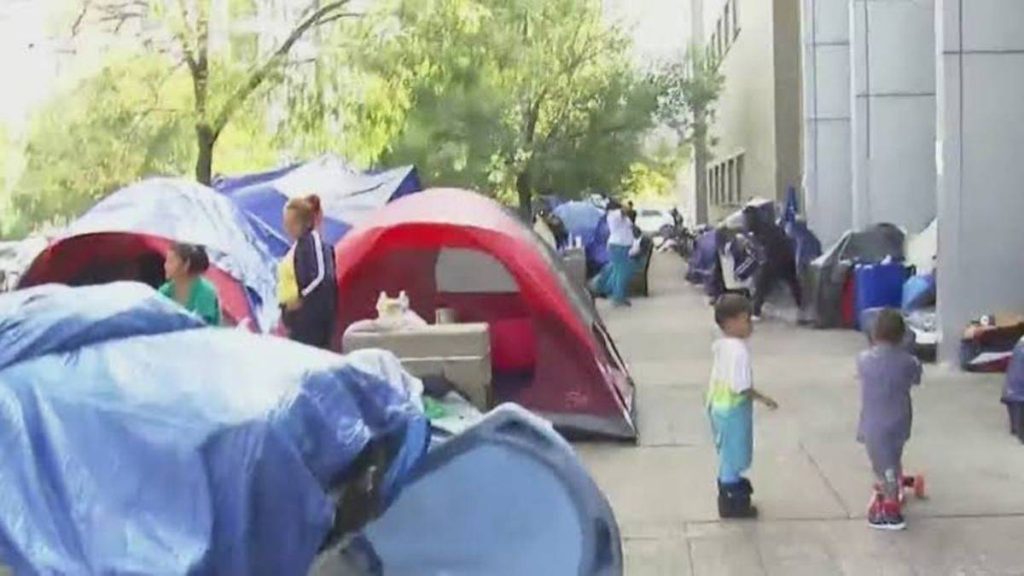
x: 981, y: 168
x: 893, y: 114
x: 828, y: 174
x: 788, y: 110
x: 745, y: 121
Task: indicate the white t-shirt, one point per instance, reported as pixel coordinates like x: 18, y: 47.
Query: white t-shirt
x: 732, y: 364
x: 620, y: 229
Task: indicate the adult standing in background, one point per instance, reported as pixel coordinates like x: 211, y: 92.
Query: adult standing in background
x: 620, y: 241
x: 778, y: 259
x: 307, y: 282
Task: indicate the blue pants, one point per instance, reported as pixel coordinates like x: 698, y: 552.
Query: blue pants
x: 733, y: 430
x: 620, y: 273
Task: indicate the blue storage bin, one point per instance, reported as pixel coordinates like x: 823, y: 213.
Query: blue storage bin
x: 879, y: 286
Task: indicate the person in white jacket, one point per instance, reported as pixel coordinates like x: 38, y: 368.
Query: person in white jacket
x: 620, y: 241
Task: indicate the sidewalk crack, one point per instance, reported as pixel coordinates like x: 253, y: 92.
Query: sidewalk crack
x: 824, y: 478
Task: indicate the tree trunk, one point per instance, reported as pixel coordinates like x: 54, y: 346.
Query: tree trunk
x: 700, y: 167
x: 525, y: 197
x: 205, y: 139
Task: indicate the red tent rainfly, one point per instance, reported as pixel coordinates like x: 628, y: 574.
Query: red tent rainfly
x: 456, y: 249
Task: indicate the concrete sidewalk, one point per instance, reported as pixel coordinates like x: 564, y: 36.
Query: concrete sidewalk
x: 812, y: 479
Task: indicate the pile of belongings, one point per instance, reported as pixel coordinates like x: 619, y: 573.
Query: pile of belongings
x: 241, y: 453
x: 987, y: 344
x: 292, y: 460
x: 920, y: 292
x: 831, y: 286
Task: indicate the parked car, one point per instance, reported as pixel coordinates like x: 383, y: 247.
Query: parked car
x: 653, y: 222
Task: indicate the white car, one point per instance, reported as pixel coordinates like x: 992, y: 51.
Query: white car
x: 651, y: 221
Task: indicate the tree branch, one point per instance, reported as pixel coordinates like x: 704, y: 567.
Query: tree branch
x: 183, y: 38
x: 329, y: 12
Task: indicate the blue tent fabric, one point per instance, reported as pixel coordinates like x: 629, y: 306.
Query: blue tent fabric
x: 586, y: 221
x: 919, y: 292
x: 704, y: 258
x: 806, y: 246
x: 184, y: 211
x: 506, y: 497
x: 138, y: 442
x: 790, y: 207
x: 347, y: 195
x: 1013, y: 390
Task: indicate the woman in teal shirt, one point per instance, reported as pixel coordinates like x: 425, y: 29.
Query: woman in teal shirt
x: 185, y: 284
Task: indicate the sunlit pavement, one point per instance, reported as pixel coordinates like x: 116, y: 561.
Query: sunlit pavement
x: 811, y: 478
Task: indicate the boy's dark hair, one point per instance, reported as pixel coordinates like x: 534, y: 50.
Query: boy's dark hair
x: 889, y: 327
x: 731, y: 306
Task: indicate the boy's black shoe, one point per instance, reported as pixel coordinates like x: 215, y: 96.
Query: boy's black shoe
x: 734, y: 500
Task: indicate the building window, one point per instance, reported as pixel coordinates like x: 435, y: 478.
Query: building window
x: 712, y: 190
x: 730, y: 181
x: 739, y: 179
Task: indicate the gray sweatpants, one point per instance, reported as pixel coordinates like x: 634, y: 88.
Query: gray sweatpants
x: 886, y: 457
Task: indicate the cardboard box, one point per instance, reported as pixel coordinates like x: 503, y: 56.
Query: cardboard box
x: 461, y: 353
x: 436, y: 341
x: 471, y: 376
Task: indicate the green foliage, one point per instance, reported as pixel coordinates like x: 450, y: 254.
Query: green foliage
x: 654, y: 179
x: 131, y: 120
x: 690, y: 89
x: 508, y: 96
x: 108, y: 130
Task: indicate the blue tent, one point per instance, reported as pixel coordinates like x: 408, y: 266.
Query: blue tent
x: 587, y: 221
x: 348, y: 195
x: 506, y: 497
x: 143, y: 219
x: 137, y: 442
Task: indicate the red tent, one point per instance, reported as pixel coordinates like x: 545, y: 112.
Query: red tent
x: 459, y: 250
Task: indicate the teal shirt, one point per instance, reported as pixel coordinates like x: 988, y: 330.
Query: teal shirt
x: 202, y: 300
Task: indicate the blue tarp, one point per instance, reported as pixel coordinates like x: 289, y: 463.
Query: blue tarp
x: 806, y: 246
x: 586, y: 221
x: 184, y: 211
x: 137, y: 442
x: 348, y: 195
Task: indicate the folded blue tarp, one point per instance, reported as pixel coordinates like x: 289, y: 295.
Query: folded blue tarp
x: 347, y: 195
x: 137, y: 442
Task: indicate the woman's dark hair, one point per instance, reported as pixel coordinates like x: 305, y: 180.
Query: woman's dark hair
x: 193, y: 255
x: 889, y: 327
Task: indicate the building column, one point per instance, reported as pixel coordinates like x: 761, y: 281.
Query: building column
x: 893, y: 113
x: 980, y: 162
x: 828, y: 178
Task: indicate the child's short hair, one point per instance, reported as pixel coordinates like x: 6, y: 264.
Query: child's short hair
x: 889, y: 327
x: 731, y: 306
